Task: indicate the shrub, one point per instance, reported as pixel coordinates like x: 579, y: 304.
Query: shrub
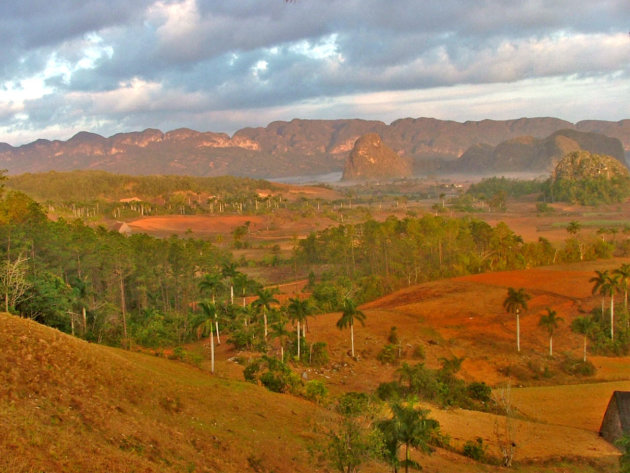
x: 388, y: 355
x: 393, y: 336
x: 316, y: 391
x: 319, y: 354
x: 475, y: 449
x: 544, y: 208
x: 479, y: 391
x: 577, y: 367
x: 418, y: 352
x: 273, y: 374
x: 389, y: 391
x: 352, y: 404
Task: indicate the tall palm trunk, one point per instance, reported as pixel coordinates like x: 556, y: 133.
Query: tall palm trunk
x: 83, y: 313
x: 123, y: 309
x: 298, y: 340
x: 211, y: 352
x: 550, y: 345
x: 216, y: 325
x: 352, y: 338
x: 518, y: 332
x: 612, y: 317
x: 265, y: 321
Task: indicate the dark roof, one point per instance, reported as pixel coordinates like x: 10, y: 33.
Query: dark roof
x: 622, y: 399
x: 616, y: 420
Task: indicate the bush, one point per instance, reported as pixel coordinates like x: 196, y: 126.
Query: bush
x: 388, y: 355
x: 479, y: 391
x: 393, y: 336
x: 389, y: 391
x: 316, y: 391
x: 275, y: 375
x: 352, y: 404
x: 475, y: 450
x: 418, y: 352
x: 319, y: 354
x: 544, y: 208
x: 577, y: 366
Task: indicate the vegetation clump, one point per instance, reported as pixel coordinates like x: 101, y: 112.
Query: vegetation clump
x: 273, y: 374
x: 588, y: 179
x: 440, y: 386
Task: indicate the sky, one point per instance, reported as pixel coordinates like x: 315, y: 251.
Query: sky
x: 110, y: 66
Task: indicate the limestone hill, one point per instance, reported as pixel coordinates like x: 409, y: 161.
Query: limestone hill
x: 295, y: 148
x: 584, y: 165
x: 371, y: 159
x: 527, y: 153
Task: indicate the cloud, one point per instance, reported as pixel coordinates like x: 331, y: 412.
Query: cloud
x: 175, y: 63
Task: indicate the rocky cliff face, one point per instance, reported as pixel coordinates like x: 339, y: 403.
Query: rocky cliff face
x: 298, y: 147
x: 371, y: 159
x: 529, y: 154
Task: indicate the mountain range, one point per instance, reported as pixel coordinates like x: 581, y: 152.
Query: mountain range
x: 310, y: 147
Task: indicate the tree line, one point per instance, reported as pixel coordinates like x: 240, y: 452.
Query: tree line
x: 383, y: 256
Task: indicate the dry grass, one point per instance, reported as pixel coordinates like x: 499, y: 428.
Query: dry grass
x: 66, y: 405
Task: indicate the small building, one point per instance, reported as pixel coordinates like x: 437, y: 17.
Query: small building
x: 617, y: 417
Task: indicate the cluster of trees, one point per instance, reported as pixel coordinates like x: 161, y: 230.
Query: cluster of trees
x: 600, y: 326
x: 99, y: 284
x: 383, y: 256
x: 440, y: 386
x: 588, y: 191
x: 608, y: 334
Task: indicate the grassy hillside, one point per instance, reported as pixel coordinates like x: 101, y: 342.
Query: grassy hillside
x: 66, y: 405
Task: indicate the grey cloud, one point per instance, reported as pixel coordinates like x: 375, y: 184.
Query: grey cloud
x: 384, y: 46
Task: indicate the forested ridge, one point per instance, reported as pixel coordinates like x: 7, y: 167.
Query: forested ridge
x: 99, y: 193
x: 94, y: 185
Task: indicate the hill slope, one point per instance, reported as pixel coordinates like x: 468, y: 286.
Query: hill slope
x: 66, y: 405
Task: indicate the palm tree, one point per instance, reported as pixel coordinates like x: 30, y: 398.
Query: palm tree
x: 298, y: 310
x: 598, y: 281
x: 228, y: 271
x: 241, y: 280
x: 550, y: 322
x: 278, y: 330
x: 210, y: 283
x: 624, y: 278
x: 407, y: 374
x: 584, y: 326
x: 409, y: 427
x: 348, y: 316
x: 610, y: 286
x: 210, y: 314
x: 516, y: 301
x: 263, y: 303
